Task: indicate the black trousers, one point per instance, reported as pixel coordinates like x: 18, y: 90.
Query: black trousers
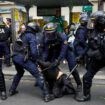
x: 63, y: 86
x: 92, y: 69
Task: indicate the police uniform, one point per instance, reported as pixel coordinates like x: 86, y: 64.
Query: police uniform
x: 3, y: 49
x: 80, y: 41
x: 96, y: 53
x: 55, y: 44
x: 4, y: 35
x: 27, y: 42
x: 55, y: 49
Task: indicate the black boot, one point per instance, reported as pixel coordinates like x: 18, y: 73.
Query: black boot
x: 86, y: 91
x: 48, y: 97
x: 2, y: 87
x: 83, y: 98
x: 78, y: 80
x: 3, y: 95
x: 44, y: 86
x: 13, y: 92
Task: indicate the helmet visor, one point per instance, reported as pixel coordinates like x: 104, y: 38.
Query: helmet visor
x: 50, y: 35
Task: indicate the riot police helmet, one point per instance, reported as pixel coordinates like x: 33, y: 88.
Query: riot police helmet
x: 93, y: 17
x: 50, y: 30
x: 83, y: 20
x: 34, y: 26
x: 100, y: 23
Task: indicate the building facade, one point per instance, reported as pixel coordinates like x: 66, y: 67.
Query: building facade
x: 5, y: 10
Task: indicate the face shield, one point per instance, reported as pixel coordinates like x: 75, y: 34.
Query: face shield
x: 50, y: 35
x: 91, y: 23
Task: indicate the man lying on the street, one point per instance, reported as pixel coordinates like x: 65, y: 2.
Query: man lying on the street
x: 59, y: 83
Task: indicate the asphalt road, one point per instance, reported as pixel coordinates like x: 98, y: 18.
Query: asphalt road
x: 30, y: 95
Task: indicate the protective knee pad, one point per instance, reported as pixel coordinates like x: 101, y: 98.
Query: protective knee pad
x: 41, y: 77
x: 2, y: 82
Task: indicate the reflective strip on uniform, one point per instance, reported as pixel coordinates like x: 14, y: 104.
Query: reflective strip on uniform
x: 92, y: 18
x: 81, y: 21
x: 50, y: 29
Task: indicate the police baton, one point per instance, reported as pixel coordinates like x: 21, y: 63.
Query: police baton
x: 72, y: 70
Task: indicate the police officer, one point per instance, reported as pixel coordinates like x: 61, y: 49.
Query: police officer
x: 24, y: 57
x: 3, y: 49
x: 91, y: 21
x: 80, y: 44
x: 96, y: 53
x: 71, y: 58
x: 55, y: 44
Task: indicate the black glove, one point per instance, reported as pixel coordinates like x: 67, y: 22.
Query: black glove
x: 78, y: 59
x: 43, y: 64
x: 55, y: 64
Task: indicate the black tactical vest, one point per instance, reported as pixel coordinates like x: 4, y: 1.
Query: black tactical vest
x: 3, y: 35
x: 54, y: 47
x: 96, y: 45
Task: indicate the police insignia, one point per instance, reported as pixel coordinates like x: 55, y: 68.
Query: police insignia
x: 65, y: 42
